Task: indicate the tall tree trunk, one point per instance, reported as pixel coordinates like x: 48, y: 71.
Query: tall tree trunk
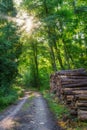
x: 65, y: 48
x: 36, y: 78
x: 53, y: 61
x: 52, y: 55
x: 66, y: 54
x: 58, y: 53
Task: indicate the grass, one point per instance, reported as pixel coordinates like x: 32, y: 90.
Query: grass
x: 59, y: 109
x: 62, y: 113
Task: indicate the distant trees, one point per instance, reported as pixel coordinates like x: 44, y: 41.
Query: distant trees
x: 62, y: 31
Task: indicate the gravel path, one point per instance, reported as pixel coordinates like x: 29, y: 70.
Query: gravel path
x: 30, y: 114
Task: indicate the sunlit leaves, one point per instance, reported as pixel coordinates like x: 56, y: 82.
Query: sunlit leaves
x: 61, y: 36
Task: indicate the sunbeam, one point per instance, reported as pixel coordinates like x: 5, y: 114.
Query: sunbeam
x: 22, y: 19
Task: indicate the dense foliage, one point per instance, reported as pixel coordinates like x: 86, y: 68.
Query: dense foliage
x: 10, y: 50
x: 61, y: 36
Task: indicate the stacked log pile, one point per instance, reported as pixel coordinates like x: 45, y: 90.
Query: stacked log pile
x: 70, y: 86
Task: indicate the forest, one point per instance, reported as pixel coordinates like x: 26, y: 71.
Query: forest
x: 37, y: 38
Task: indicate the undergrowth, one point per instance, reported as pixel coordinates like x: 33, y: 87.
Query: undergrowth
x: 10, y: 96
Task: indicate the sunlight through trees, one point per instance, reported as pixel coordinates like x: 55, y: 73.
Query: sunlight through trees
x: 40, y: 37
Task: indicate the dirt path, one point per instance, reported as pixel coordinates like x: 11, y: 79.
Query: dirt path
x: 30, y: 114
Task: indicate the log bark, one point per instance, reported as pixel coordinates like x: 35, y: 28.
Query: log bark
x: 73, y: 77
x: 75, y: 85
x: 81, y: 97
x: 75, y: 92
x: 72, y: 81
x: 82, y: 115
x: 79, y: 104
x: 75, y: 72
x: 74, y: 89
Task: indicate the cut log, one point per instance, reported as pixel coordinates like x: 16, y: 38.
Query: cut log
x: 69, y: 98
x: 73, y: 77
x: 81, y: 104
x: 76, y: 92
x: 73, y: 112
x: 81, y: 101
x: 75, y: 85
x: 70, y: 81
x: 76, y: 72
x: 74, y: 89
x: 82, y: 115
x: 81, y: 97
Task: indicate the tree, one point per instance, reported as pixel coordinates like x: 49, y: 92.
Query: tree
x: 10, y: 48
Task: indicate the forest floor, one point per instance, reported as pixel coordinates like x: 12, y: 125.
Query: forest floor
x: 29, y: 113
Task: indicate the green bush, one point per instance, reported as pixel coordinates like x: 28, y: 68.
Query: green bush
x: 5, y: 101
x: 8, y: 97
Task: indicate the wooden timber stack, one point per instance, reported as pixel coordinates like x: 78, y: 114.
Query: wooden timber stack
x: 70, y: 86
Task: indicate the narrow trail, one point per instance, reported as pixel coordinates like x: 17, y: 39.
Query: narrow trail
x: 30, y: 114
